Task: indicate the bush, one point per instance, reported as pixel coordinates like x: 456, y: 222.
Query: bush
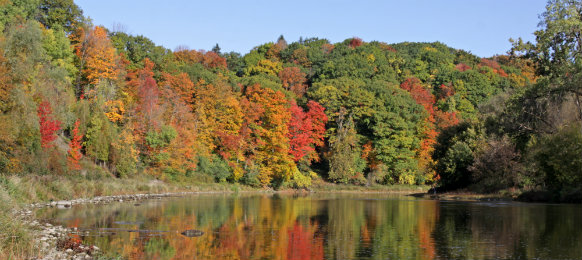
x: 496, y: 167
x: 300, y: 180
x: 557, y: 160
x: 251, y: 177
x: 453, y: 167
x: 214, y: 166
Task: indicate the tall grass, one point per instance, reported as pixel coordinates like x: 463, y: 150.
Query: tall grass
x: 321, y: 186
x: 15, y: 237
x: 44, y: 188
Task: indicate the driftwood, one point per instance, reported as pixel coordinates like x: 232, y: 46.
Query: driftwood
x: 192, y: 233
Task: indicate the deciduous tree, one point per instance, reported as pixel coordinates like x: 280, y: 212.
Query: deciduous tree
x: 293, y: 80
x: 98, y: 59
x: 306, y: 130
x: 75, y: 147
x: 48, y: 125
x: 265, y: 126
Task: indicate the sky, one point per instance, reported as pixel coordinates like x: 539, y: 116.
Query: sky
x: 482, y: 27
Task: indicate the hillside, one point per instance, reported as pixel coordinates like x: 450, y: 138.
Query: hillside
x: 79, y: 99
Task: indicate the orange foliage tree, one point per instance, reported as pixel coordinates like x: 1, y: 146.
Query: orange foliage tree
x: 98, y: 58
x: 181, y: 85
x: 75, y: 148
x: 462, y: 67
x: 179, y: 115
x: 327, y: 48
x: 493, y: 65
x: 436, y: 120
x: 5, y: 86
x: 217, y: 114
x: 293, y: 80
x: 145, y: 88
x: 209, y: 59
x: 265, y: 129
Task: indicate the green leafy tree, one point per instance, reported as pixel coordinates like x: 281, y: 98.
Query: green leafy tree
x: 557, y: 160
x: 59, y: 14
x: 99, y: 137
x: 16, y: 11
x: 157, y: 142
x: 455, y: 153
x: 58, y: 49
x: 125, y: 151
x: 397, y: 131
x: 24, y: 50
x: 137, y: 48
x: 345, y: 163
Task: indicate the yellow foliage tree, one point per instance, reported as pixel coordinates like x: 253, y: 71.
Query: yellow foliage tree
x: 98, y: 58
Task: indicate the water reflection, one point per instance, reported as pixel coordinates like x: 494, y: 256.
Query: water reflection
x: 327, y: 226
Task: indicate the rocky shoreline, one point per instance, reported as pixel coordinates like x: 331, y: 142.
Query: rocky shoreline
x: 115, y: 198
x: 57, y: 242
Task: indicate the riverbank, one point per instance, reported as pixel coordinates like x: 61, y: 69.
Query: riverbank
x: 466, y: 196
x: 566, y: 196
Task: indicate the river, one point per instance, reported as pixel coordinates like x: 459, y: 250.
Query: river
x: 325, y: 226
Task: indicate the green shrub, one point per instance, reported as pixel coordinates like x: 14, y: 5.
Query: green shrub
x: 251, y: 177
x: 557, y: 159
x: 215, y: 167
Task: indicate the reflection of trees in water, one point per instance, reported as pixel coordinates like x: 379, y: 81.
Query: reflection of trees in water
x: 332, y: 227
x: 402, y: 229
x: 157, y: 248
x: 515, y: 231
x: 346, y: 219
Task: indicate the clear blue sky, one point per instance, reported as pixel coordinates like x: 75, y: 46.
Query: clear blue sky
x: 482, y: 27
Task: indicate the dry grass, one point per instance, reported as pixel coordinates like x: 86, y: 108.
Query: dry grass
x: 321, y: 186
x: 15, y: 237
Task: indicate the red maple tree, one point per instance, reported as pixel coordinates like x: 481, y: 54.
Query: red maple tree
x: 48, y: 125
x: 306, y: 130
x: 355, y: 42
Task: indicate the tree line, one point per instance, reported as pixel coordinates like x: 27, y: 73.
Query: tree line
x: 76, y: 98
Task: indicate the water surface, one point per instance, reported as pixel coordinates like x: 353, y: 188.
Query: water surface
x: 326, y: 226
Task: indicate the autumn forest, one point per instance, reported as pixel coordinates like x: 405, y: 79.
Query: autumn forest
x: 78, y: 99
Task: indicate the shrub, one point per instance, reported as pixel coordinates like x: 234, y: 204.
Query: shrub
x: 214, y: 166
x: 251, y: 176
x: 557, y: 159
x: 496, y: 166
